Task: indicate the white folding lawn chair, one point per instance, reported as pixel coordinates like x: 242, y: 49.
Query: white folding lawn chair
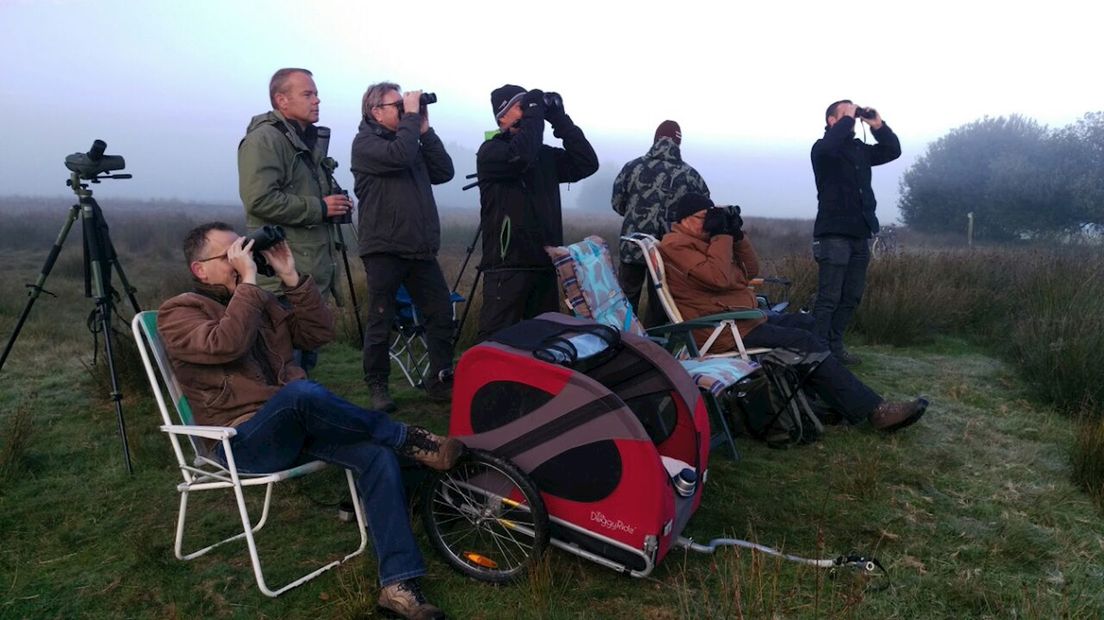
x: 206, y: 474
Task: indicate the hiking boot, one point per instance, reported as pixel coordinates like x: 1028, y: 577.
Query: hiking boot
x: 405, y: 600
x: 380, y: 394
x: 893, y: 416
x: 439, y: 388
x: 433, y: 451
x: 847, y: 358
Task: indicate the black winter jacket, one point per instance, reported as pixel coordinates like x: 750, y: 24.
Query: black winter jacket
x: 519, y: 189
x: 841, y: 165
x: 394, y: 171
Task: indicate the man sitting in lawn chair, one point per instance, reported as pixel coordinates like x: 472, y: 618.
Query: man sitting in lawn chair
x: 710, y: 261
x: 230, y: 344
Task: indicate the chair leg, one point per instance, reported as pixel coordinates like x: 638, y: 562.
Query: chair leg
x: 362, y: 523
x: 724, y: 436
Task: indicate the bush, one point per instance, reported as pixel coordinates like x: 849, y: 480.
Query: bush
x: 1087, y: 458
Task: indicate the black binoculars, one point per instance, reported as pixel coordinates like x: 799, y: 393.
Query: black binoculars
x: 264, y: 238
x: 865, y: 112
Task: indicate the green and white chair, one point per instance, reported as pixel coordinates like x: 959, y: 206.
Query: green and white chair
x: 202, y: 473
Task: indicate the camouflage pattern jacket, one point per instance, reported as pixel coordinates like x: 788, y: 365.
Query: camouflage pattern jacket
x: 647, y: 187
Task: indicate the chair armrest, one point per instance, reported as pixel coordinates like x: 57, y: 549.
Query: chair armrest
x: 217, y: 433
x: 734, y: 315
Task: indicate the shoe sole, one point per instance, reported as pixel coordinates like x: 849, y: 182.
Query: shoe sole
x: 912, y: 419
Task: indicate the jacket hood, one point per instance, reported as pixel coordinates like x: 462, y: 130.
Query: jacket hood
x: 665, y: 149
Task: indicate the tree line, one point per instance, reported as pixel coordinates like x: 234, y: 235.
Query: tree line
x: 1020, y: 179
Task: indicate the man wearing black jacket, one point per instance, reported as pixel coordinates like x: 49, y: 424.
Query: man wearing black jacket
x: 845, y: 216
x: 519, y: 194
x: 396, y: 158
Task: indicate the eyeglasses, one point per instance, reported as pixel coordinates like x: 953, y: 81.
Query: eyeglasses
x: 398, y: 105
x: 204, y: 260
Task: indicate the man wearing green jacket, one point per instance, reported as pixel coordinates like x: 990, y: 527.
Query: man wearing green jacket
x: 282, y: 182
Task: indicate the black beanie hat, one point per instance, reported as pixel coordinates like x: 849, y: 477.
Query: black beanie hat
x: 504, y: 97
x: 688, y: 205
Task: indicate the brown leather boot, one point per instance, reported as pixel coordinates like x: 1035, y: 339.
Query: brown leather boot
x: 405, y: 600
x: 433, y: 451
x: 893, y: 416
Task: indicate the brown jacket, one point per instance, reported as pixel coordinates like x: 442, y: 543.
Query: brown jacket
x: 230, y: 358
x: 708, y: 276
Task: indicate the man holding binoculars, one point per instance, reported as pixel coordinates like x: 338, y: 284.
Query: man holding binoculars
x: 710, y: 263
x: 519, y: 194
x: 397, y: 158
x: 845, y: 219
x: 282, y: 183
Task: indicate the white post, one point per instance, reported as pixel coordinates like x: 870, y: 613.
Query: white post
x: 970, y: 229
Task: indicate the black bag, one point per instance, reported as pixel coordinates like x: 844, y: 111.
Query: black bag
x: 776, y: 410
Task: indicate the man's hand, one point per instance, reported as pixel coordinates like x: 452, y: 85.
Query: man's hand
x: 847, y: 109
x: 876, y: 122
x: 716, y: 222
x: 283, y: 263
x: 240, y: 258
x: 533, y: 99
x: 425, y: 121
x: 337, y: 205
x: 412, y: 102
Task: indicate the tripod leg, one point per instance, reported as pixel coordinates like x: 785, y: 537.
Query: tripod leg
x: 100, y: 261
x: 37, y: 289
x: 349, y: 278
x: 467, y: 307
x: 105, y: 309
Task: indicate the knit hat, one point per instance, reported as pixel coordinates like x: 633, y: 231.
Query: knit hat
x: 504, y: 97
x: 688, y: 205
x: 668, y: 129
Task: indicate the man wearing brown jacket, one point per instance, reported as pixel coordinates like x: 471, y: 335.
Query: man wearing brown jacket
x: 230, y: 344
x: 710, y: 261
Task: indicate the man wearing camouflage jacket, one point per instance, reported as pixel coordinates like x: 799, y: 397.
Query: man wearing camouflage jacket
x: 644, y: 192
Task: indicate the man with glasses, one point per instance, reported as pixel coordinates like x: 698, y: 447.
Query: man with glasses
x: 397, y: 158
x: 519, y: 196
x: 230, y: 345
x: 281, y: 180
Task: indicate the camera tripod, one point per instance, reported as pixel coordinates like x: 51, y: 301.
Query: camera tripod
x: 99, y: 261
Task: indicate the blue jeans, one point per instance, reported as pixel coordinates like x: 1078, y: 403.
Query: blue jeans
x: 840, y: 284
x: 831, y: 380
x: 303, y: 422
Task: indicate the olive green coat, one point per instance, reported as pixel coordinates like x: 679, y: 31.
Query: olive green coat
x: 277, y: 187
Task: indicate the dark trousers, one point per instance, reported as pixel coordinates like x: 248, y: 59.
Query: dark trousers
x: 429, y: 292
x: 510, y: 296
x: 831, y: 380
x: 303, y: 422
x: 840, y: 283
x: 633, y: 278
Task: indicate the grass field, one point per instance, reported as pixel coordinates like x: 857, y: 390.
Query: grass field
x: 974, y: 511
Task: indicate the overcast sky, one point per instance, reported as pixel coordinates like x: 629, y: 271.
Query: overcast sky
x: 171, y: 85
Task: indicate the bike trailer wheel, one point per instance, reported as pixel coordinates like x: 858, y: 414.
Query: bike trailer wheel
x: 486, y: 517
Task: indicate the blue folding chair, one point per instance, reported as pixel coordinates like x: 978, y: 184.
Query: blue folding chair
x: 409, y: 349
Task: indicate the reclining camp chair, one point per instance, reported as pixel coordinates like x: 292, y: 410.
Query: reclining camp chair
x: 587, y: 279
x: 781, y: 366
x: 203, y: 473
x: 408, y: 346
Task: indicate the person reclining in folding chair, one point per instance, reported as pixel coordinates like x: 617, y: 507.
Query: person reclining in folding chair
x: 709, y: 263
x: 230, y: 344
